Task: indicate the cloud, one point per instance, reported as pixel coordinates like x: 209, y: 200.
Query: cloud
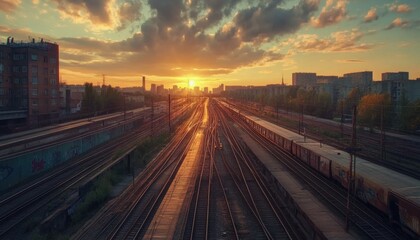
x: 343, y: 41
x: 398, y: 22
x: 262, y: 23
x: 400, y: 8
x: 350, y: 61
x: 9, y: 6
x: 332, y: 13
x: 129, y: 12
x: 371, y: 16
x: 100, y: 14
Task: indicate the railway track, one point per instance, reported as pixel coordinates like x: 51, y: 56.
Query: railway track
x: 367, y: 221
x: 22, y: 203
x: 129, y: 216
x: 392, y: 153
x: 274, y: 222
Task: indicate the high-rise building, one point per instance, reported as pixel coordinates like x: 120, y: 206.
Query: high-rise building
x: 153, y: 88
x: 160, y: 90
x: 29, y: 82
x: 395, y: 76
x: 144, y: 83
x: 206, y: 90
x: 303, y: 79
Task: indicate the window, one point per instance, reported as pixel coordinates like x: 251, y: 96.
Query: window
x: 34, y: 69
x: 34, y: 80
x: 1, y: 91
x: 34, y: 92
x: 53, y: 92
x: 15, y: 69
x: 1, y: 78
x: 45, y: 70
x: 53, y: 60
x: 34, y: 57
x: 53, y: 102
x: 24, y: 69
x: 16, y: 80
x: 53, y: 81
x: 16, y: 57
x: 46, y: 92
x: 35, y: 103
x: 46, y: 80
x: 53, y: 70
x: 24, y: 80
x: 1, y: 68
x: 45, y: 59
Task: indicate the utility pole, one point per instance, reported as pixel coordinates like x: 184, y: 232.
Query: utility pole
x: 342, y: 119
x: 382, y: 134
x: 169, y: 111
x: 152, y: 116
x: 352, y: 167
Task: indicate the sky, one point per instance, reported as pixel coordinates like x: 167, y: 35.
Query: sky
x: 210, y: 42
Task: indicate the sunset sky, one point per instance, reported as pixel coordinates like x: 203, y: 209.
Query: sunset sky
x: 235, y: 42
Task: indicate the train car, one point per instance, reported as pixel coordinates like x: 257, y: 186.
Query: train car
x: 404, y: 210
x: 325, y: 166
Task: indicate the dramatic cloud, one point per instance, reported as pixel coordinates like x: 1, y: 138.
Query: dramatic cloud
x: 129, y: 12
x: 400, y: 8
x: 343, y: 41
x: 262, y: 23
x: 333, y: 12
x: 371, y: 16
x: 100, y: 14
x: 8, y: 6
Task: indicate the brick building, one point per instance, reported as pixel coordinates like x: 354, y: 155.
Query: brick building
x: 29, y: 83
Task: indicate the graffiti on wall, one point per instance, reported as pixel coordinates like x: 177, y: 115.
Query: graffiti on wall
x: 5, y: 172
x: 38, y: 165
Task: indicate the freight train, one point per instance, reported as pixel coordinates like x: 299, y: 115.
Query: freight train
x: 392, y: 193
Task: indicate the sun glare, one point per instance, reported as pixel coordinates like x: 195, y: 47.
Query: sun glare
x: 191, y: 83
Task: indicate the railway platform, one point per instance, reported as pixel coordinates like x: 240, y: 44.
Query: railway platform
x: 317, y: 215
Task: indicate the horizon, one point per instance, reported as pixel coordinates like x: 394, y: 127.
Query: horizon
x: 230, y: 42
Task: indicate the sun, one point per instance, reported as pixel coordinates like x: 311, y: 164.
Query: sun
x: 191, y: 83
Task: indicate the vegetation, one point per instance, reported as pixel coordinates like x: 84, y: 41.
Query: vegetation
x: 101, y: 100
x: 374, y: 110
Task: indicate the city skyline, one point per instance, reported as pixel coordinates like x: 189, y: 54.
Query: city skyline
x: 231, y: 42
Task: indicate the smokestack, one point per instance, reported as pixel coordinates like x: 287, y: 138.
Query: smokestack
x: 8, y: 40
x: 144, y: 83
x: 11, y: 41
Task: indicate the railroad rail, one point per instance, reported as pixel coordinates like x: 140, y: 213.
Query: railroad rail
x: 274, y: 222
x: 366, y: 220
x: 380, y: 149
x: 130, y: 214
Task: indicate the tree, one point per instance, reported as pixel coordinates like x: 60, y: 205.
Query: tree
x: 410, y: 117
x: 90, y: 99
x: 350, y: 101
x: 372, y: 107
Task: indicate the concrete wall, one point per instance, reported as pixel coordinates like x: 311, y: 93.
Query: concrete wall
x: 17, y: 169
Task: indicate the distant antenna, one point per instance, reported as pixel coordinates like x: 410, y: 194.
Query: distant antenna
x: 282, y: 79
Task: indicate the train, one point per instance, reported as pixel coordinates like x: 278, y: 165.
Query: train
x: 394, y: 194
